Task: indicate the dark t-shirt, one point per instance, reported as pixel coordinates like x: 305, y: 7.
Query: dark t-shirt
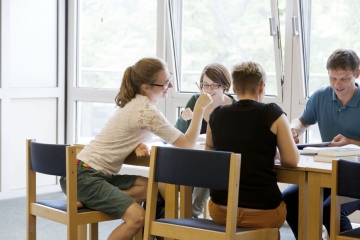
x: 244, y: 127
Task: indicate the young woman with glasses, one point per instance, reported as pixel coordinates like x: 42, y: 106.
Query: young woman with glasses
x: 215, y: 80
x: 135, y: 121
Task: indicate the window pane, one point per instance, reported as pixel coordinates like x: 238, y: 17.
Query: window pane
x: 227, y: 32
x: 91, y: 118
x: 33, y: 43
x: 112, y: 36
x: 333, y: 26
x: 314, y: 134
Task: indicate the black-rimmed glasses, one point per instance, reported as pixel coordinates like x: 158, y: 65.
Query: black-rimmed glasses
x: 164, y: 85
x: 208, y: 86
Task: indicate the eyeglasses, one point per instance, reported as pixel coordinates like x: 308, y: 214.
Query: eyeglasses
x: 165, y: 84
x: 213, y: 86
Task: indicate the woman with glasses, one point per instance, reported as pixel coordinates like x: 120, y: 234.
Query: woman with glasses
x: 255, y: 130
x: 214, y: 80
x: 135, y: 121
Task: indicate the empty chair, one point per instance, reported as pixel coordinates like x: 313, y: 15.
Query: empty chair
x: 345, y: 187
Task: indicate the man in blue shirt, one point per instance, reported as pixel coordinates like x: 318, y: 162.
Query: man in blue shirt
x: 336, y: 109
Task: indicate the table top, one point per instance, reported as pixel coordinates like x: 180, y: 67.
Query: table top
x: 307, y: 163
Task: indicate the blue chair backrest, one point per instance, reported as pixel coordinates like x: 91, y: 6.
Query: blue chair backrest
x: 48, y: 158
x: 189, y: 167
x: 349, y: 178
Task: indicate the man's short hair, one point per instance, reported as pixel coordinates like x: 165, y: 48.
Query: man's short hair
x: 343, y: 59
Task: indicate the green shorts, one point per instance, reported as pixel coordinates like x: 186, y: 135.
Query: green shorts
x: 100, y: 191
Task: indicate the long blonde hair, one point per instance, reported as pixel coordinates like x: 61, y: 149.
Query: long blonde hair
x: 145, y: 71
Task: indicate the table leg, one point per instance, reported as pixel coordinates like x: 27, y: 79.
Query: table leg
x: 302, y: 205
x: 314, y: 206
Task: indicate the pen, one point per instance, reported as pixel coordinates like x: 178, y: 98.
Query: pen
x: 198, y: 87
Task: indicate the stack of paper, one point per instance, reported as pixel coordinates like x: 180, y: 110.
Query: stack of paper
x: 327, y: 154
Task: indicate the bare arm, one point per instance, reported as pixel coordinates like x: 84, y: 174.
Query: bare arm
x: 289, y: 154
x: 209, y: 145
x: 188, y: 140
x: 297, y: 127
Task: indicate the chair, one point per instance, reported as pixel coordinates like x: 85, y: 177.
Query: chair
x: 189, y: 168
x: 59, y: 160
x: 345, y: 187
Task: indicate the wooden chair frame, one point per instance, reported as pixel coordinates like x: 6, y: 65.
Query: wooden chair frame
x: 176, y: 230
x: 76, y: 221
x: 337, y: 200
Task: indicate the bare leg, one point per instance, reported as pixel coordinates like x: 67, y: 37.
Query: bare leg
x: 138, y: 190
x: 161, y: 189
x: 134, y: 218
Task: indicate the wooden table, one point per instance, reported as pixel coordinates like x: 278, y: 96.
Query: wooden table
x: 310, y: 176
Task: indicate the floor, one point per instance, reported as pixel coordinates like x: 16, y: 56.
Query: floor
x: 13, y: 223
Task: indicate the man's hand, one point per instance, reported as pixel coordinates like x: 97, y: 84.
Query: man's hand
x: 142, y: 151
x: 297, y: 127
x: 187, y: 114
x: 339, y: 140
x: 295, y: 135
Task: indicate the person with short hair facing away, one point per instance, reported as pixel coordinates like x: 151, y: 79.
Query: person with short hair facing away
x: 255, y: 130
x: 215, y: 80
x: 135, y: 121
x: 336, y: 110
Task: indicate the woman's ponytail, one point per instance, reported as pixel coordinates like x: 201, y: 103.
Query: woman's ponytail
x: 127, y: 89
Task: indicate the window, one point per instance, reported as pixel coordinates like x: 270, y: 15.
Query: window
x: 113, y: 35
x: 91, y: 118
x: 320, y: 40
x: 227, y: 32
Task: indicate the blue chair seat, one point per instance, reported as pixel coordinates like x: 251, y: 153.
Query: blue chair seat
x: 60, y: 204
x: 354, y: 233
x: 206, y: 224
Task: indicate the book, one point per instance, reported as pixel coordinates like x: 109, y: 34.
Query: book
x: 346, y: 150
x: 339, y: 151
x: 302, y: 146
x: 313, y: 150
x: 329, y: 159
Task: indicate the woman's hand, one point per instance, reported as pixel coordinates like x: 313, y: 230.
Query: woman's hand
x: 142, y: 151
x: 187, y: 114
x: 203, y: 101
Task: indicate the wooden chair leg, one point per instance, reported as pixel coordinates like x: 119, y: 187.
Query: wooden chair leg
x: 72, y: 232
x: 94, y: 231
x: 82, y: 232
x: 31, y: 227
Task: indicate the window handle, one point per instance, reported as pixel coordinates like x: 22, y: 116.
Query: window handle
x: 295, y: 26
x: 273, y: 31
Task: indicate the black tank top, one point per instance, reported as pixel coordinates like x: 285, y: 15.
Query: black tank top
x: 244, y: 127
